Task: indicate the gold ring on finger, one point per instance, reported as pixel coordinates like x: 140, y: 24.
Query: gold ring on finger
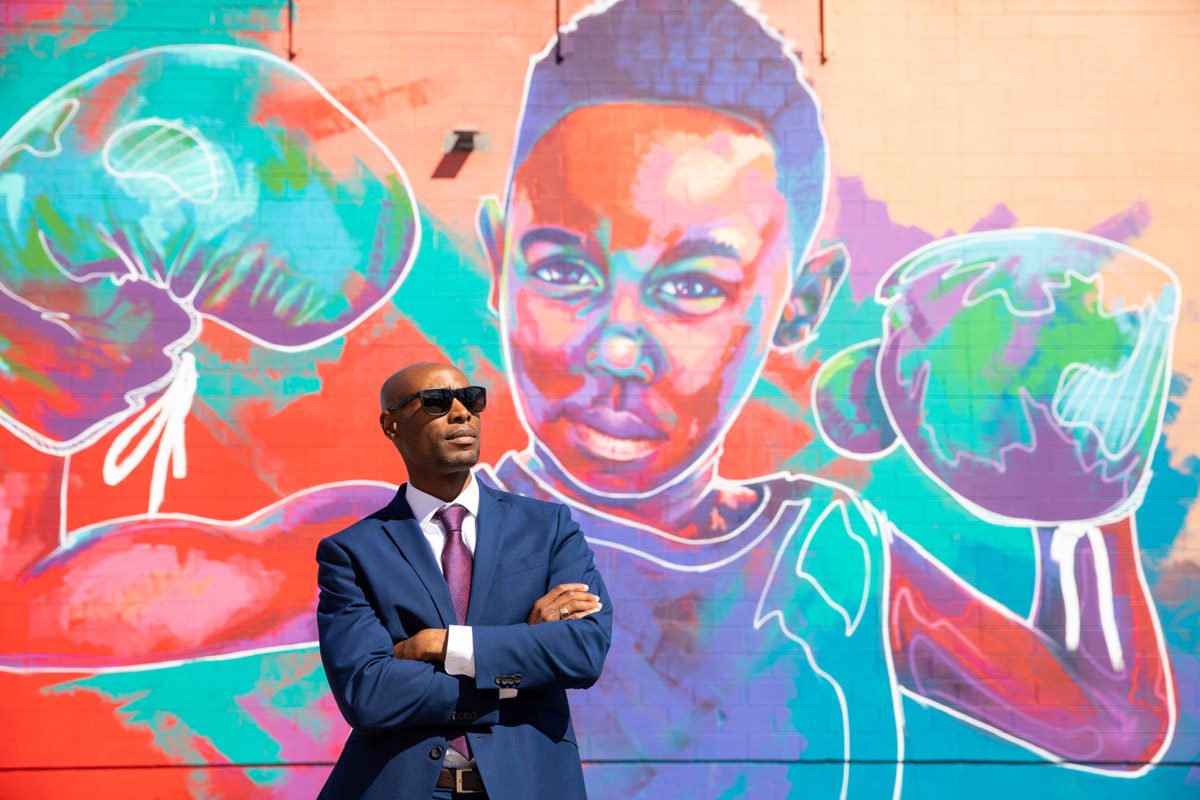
x: 564, y: 612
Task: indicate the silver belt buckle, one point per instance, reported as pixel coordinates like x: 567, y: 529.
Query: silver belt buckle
x: 458, y: 784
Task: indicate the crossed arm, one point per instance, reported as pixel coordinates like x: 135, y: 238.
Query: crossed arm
x: 379, y: 684
x: 430, y: 644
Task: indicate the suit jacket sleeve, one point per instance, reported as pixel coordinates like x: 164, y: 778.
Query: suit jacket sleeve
x: 563, y: 655
x: 373, y: 689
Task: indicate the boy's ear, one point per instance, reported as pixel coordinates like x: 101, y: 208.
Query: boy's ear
x: 817, y: 281
x: 489, y: 224
x: 848, y: 408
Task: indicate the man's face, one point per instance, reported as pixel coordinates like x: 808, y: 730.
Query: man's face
x: 647, y: 266
x: 431, y: 446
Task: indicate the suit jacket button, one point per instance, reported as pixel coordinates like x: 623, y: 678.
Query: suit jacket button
x: 436, y: 753
x: 469, y: 716
x: 516, y: 680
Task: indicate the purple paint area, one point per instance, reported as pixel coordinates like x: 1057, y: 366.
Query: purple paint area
x: 848, y: 404
x: 926, y: 310
x: 77, y: 352
x: 193, y: 205
x: 876, y: 242
x: 1022, y: 342
x: 1046, y: 479
x: 1125, y: 226
x: 999, y: 218
x: 873, y: 240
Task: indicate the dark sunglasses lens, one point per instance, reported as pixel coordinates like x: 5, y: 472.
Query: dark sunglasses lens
x: 474, y: 398
x: 436, y: 401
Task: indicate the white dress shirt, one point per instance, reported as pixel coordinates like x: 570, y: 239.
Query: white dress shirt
x: 460, y: 644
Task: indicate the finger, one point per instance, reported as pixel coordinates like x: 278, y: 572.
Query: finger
x: 582, y: 614
x: 575, y: 607
x: 568, y: 597
x: 579, y: 601
x: 561, y: 594
x: 565, y: 588
x: 586, y: 611
x: 553, y: 613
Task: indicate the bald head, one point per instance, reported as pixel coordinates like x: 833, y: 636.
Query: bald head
x: 438, y: 449
x: 412, y: 379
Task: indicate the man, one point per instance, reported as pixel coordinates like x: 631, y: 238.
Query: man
x: 428, y: 619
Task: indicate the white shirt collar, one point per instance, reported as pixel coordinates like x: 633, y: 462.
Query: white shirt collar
x: 425, y: 505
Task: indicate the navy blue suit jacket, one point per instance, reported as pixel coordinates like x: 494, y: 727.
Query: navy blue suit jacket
x: 379, y: 584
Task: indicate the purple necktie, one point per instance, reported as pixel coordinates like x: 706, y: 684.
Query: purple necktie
x: 456, y: 559
x: 456, y: 566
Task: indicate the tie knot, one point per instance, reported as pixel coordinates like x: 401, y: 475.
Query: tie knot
x: 452, y: 517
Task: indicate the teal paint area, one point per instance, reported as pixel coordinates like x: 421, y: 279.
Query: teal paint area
x: 52, y: 49
x: 451, y: 268
x: 268, y: 709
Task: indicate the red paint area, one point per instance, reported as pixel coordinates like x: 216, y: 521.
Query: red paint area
x: 167, y: 589
x: 93, y: 115
x: 48, y: 728
x: 964, y: 653
x: 366, y: 98
x: 764, y: 437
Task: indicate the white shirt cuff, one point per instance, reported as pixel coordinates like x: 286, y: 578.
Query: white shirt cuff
x: 460, y: 651
x: 460, y: 655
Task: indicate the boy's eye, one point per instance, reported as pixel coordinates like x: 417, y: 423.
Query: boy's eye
x: 565, y: 273
x: 691, y: 293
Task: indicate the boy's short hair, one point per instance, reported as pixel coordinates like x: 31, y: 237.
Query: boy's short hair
x: 709, y: 53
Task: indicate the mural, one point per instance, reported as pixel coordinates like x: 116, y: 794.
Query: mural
x: 206, y: 260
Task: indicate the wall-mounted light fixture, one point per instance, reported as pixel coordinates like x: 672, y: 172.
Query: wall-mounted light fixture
x: 456, y: 146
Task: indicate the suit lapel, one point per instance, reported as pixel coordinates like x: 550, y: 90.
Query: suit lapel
x: 490, y: 527
x: 406, y: 533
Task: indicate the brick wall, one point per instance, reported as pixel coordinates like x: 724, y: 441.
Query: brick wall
x: 944, y: 522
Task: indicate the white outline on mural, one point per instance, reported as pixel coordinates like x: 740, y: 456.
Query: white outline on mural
x: 879, y: 521
x: 799, y: 253
x: 1090, y: 529
x: 1005, y: 611
x: 1063, y: 543
x: 838, y: 505
x: 79, y: 537
x: 28, y: 118
x: 1134, y: 500
x: 166, y: 417
x: 207, y: 177
x: 172, y: 448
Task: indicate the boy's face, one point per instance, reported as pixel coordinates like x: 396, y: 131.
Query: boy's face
x: 648, y: 260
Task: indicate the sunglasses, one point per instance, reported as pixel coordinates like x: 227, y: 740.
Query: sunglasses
x: 436, y: 402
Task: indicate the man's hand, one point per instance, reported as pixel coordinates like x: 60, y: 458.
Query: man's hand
x: 573, y: 597
x: 427, y: 645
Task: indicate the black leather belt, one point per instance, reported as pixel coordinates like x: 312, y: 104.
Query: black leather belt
x: 462, y: 781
